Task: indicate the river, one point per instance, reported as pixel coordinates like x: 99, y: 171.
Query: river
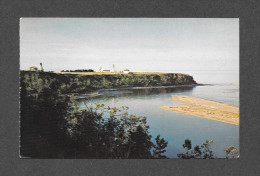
x: 176, y: 127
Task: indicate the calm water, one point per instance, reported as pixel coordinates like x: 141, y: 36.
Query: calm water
x: 176, y: 127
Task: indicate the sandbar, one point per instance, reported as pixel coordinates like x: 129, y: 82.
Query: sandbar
x: 205, y: 108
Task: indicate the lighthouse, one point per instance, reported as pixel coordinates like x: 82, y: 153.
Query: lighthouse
x: 113, y: 69
x: 41, y: 67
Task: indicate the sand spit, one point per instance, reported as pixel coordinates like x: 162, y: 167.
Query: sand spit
x: 205, y: 108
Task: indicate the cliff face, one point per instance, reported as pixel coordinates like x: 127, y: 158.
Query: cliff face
x: 72, y: 83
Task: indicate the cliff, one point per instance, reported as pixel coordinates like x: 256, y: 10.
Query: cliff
x: 35, y: 82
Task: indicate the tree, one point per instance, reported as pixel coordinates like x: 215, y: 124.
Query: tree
x: 119, y: 135
x: 42, y: 123
x: 159, y: 148
x: 52, y: 125
x: 232, y: 152
x: 203, y: 151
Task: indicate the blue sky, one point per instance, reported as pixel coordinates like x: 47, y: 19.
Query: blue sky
x: 205, y: 48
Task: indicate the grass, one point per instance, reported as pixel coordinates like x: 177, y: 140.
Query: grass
x: 109, y: 73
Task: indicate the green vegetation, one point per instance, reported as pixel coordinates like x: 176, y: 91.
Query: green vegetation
x: 203, y: 151
x: 232, y: 152
x: 73, y: 83
x: 52, y: 126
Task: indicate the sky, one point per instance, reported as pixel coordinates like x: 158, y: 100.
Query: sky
x: 206, y: 48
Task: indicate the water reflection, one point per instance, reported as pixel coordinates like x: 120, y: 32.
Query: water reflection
x: 143, y: 91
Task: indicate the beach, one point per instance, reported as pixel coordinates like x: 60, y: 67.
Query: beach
x: 205, y: 108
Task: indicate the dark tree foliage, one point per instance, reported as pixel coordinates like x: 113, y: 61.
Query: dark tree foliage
x: 80, y: 70
x: 42, y: 123
x: 159, y: 148
x: 203, y: 151
x: 105, y: 132
x: 52, y: 126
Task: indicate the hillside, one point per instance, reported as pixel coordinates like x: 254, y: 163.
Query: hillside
x: 86, y: 82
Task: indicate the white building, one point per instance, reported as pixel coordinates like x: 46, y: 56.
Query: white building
x: 126, y: 71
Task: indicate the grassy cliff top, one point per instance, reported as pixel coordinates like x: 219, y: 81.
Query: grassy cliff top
x: 109, y: 73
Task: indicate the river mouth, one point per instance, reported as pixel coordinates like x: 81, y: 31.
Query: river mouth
x: 176, y: 127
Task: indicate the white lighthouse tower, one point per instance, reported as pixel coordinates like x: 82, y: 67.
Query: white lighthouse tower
x: 113, y: 69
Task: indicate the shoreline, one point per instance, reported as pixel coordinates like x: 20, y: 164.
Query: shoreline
x: 205, y: 109
x: 101, y: 91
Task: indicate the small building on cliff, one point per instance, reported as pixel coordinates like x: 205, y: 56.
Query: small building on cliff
x: 126, y: 71
x: 33, y: 68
